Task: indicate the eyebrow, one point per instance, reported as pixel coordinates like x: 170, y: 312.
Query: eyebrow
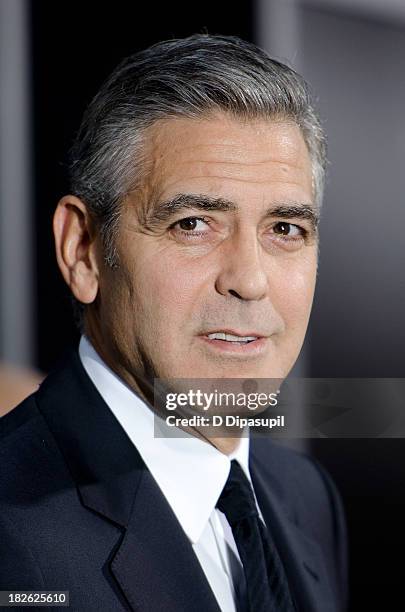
x: 297, y: 211
x: 164, y: 211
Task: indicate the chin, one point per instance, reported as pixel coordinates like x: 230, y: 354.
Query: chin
x: 241, y: 371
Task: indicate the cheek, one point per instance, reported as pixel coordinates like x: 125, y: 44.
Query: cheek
x: 118, y: 310
x: 293, y: 293
x: 168, y: 294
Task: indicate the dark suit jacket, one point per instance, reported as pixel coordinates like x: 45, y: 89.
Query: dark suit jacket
x: 80, y: 511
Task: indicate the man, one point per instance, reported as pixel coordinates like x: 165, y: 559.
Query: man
x: 190, y: 246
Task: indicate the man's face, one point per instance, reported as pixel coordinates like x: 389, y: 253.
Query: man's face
x: 221, y: 240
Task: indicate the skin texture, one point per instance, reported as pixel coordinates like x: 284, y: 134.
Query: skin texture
x: 240, y: 266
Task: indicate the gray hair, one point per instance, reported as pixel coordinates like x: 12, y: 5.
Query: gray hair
x: 188, y: 77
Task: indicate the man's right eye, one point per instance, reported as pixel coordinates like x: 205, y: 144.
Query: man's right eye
x: 188, y: 225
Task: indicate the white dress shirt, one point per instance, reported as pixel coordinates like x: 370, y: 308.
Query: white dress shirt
x: 190, y: 473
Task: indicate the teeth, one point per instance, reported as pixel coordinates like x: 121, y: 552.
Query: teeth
x: 230, y: 337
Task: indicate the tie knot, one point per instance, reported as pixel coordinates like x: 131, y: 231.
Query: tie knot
x: 237, y: 501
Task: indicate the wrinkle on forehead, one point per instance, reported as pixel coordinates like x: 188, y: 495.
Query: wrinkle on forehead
x: 221, y: 147
x: 228, y: 137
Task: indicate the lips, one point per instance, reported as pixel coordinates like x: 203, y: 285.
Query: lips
x: 233, y: 335
x: 236, y: 343
x: 235, y: 340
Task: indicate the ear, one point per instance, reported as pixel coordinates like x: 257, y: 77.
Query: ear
x: 76, y: 248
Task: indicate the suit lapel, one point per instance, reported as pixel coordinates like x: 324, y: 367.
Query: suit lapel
x: 154, y: 564
x: 301, y: 555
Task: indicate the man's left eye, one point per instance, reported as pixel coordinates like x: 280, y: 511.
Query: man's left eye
x: 287, y: 229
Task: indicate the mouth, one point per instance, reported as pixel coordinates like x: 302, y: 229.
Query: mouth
x: 234, y: 338
x: 235, y: 341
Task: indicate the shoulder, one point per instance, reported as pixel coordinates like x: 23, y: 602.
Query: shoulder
x: 310, y: 499
x: 20, y: 431
x: 19, y: 416
x: 31, y: 459
x: 30, y: 467
x: 295, y: 474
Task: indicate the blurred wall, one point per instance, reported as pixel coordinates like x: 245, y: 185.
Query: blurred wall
x: 357, y: 68
x: 17, y: 298
x: 355, y: 64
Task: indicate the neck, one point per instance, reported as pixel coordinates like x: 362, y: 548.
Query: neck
x: 226, y: 445
x: 145, y: 391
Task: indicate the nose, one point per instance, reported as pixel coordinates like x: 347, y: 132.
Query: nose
x: 242, y: 273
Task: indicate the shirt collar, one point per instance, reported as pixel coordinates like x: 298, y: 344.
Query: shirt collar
x: 191, y: 473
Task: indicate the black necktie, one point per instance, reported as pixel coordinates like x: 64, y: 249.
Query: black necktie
x: 266, y: 582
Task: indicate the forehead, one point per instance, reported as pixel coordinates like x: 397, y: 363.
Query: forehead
x: 221, y: 152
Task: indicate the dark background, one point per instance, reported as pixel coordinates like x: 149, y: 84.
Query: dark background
x: 356, y: 64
